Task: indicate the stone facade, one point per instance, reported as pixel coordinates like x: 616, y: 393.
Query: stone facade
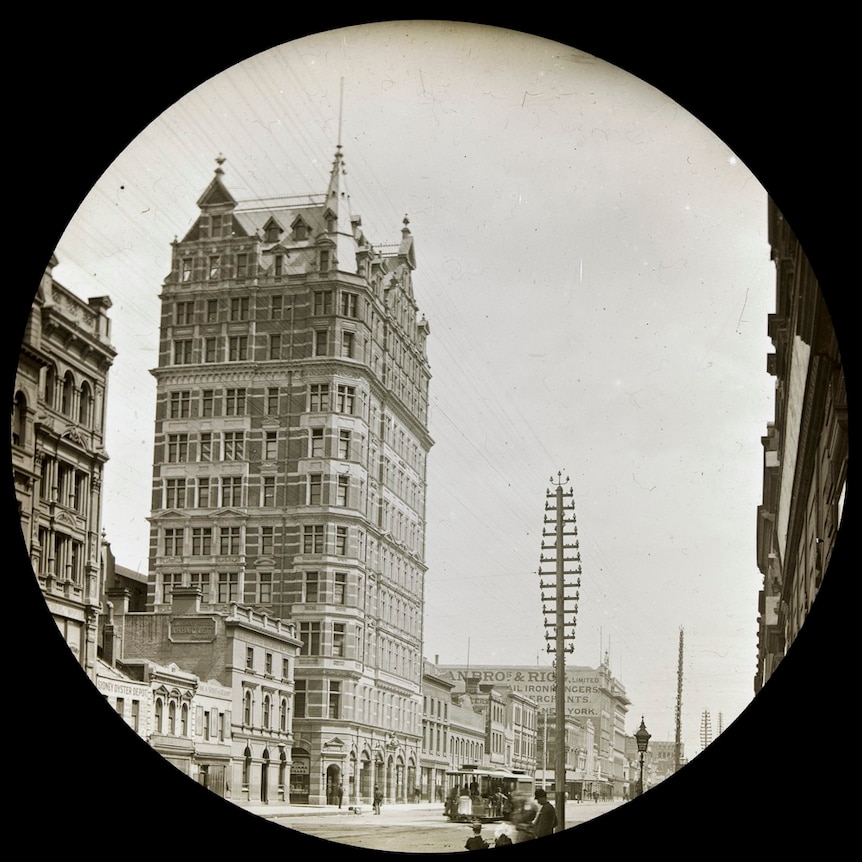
x: 804, y: 452
x: 58, y: 455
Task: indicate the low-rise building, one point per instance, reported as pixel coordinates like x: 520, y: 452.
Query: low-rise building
x: 466, y: 733
x: 243, y: 650
x: 185, y: 720
x: 434, y: 755
x: 131, y: 699
x: 521, y: 731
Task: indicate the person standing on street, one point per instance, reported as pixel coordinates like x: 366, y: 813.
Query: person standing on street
x: 339, y: 793
x: 378, y: 799
x: 545, y: 821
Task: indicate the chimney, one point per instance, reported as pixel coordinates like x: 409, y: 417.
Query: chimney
x: 186, y: 600
x: 112, y: 647
x: 119, y: 599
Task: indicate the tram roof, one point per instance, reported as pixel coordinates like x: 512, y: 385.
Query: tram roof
x: 474, y: 769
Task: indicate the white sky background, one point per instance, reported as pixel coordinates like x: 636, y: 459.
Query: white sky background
x: 594, y: 266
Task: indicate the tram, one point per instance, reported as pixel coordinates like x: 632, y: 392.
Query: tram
x: 486, y: 794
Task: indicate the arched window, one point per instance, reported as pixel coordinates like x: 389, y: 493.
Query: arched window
x: 85, y: 408
x: 184, y: 720
x: 282, y: 715
x: 159, y: 714
x: 266, y: 703
x: 246, y: 709
x: 19, y: 418
x: 172, y: 718
x: 66, y: 394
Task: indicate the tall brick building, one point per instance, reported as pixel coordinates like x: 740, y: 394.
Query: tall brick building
x: 290, y: 458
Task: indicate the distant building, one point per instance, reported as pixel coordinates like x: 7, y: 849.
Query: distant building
x: 583, y: 777
x: 510, y: 722
x: 593, y: 695
x: 662, y: 757
x: 289, y: 469
x: 490, y: 703
x: 804, y: 451
x: 521, y: 731
x: 58, y: 455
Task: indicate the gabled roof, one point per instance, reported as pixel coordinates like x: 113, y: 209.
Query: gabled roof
x: 216, y: 195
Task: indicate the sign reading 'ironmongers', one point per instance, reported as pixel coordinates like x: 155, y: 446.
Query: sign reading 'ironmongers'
x: 192, y: 630
x: 584, y: 686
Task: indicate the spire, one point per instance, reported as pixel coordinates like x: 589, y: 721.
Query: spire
x: 338, y: 215
x: 406, y: 250
x: 335, y: 192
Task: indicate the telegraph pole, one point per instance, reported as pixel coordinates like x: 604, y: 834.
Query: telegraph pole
x: 677, y: 748
x: 564, y: 525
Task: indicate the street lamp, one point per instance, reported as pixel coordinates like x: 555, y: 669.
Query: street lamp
x: 642, y: 737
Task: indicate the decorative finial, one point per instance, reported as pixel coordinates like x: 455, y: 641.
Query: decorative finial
x: 220, y: 160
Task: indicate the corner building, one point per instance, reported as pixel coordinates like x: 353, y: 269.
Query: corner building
x: 289, y: 469
x: 59, y: 456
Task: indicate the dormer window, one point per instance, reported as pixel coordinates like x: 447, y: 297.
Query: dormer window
x: 324, y: 260
x: 300, y: 231
x: 272, y: 231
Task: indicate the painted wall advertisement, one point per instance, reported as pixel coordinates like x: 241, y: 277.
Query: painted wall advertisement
x: 583, y: 685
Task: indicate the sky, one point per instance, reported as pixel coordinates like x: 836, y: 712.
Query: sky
x: 594, y: 267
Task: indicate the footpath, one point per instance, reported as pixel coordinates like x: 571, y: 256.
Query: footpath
x: 283, y: 809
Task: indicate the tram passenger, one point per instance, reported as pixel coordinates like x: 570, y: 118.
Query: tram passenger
x: 465, y: 803
x: 500, y: 803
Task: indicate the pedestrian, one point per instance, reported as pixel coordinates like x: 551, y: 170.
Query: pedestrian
x: 501, y: 836
x: 545, y: 821
x: 596, y: 796
x: 476, y: 841
x: 339, y: 793
x: 378, y: 799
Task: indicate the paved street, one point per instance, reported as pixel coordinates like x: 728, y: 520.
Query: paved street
x: 420, y: 828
